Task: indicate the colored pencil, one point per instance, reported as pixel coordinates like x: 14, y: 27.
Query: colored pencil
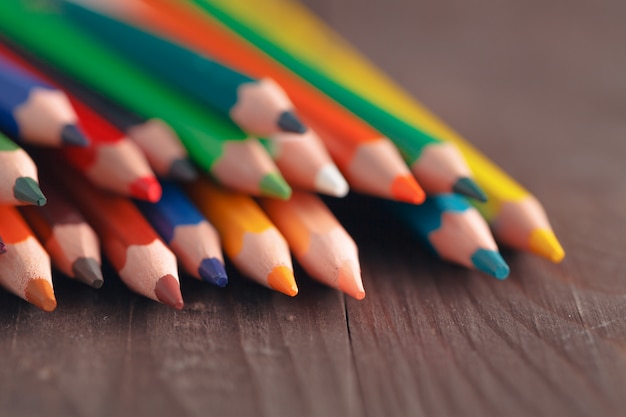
x: 141, y: 259
x: 517, y: 218
x: 194, y: 241
x: 304, y: 162
x: 111, y: 160
x: 67, y: 237
x: 25, y: 267
x: 166, y: 155
x: 437, y: 165
x: 320, y: 244
x: 259, y: 107
x: 214, y: 143
x: 455, y: 231
x: 18, y: 176
x: 359, y: 141
x: 34, y: 112
x: 249, y: 238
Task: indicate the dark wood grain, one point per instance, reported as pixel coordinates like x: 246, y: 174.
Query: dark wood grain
x: 540, y: 87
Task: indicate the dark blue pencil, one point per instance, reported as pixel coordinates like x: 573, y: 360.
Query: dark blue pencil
x: 34, y: 112
x: 190, y: 236
x: 455, y: 231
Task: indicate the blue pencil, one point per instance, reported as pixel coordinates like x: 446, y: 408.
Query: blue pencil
x: 190, y: 236
x: 34, y: 112
x: 455, y: 231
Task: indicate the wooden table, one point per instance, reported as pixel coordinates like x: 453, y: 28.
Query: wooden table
x: 540, y: 86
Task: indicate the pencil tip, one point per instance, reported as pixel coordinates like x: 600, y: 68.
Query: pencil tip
x: 289, y: 122
x: 3, y: 247
x: 405, y: 188
x: 71, y: 135
x: 167, y: 291
x: 27, y: 190
x: 146, y: 188
x: 88, y: 271
x: 330, y: 181
x: 544, y: 243
x: 274, y: 185
x: 281, y: 279
x: 468, y: 188
x: 212, y: 271
x: 39, y: 292
x: 183, y: 170
x: 490, y: 262
x: 349, y: 280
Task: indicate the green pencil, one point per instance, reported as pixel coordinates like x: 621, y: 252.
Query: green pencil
x: 260, y: 107
x: 430, y: 159
x: 213, y: 142
x: 18, y: 176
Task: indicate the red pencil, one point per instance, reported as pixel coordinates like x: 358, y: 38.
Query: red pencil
x: 141, y: 259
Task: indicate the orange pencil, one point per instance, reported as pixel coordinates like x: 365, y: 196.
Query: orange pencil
x: 141, y: 259
x: 362, y: 149
x: 304, y: 162
x: 69, y: 239
x: 249, y: 238
x: 25, y: 268
x: 111, y: 160
x: 321, y: 245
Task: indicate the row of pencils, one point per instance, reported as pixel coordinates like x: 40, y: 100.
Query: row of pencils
x: 166, y: 132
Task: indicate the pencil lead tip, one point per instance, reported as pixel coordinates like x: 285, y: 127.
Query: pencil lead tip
x: 349, y: 280
x: 543, y: 242
x: 27, y: 190
x: 71, y: 135
x: 405, y: 188
x: 39, y: 292
x: 468, y: 188
x: 274, y: 185
x: 146, y: 188
x: 88, y: 271
x: 3, y: 247
x: 183, y: 170
x: 330, y: 181
x: 167, y: 291
x: 490, y: 262
x: 289, y: 122
x: 212, y: 271
x: 281, y: 279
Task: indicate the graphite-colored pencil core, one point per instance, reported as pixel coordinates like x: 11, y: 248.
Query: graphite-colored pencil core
x: 467, y: 187
x: 39, y: 292
x: 27, y: 190
x: 167, y: 291
x: 490, y: 262
x: 212, y: 270
x: 71, y: 135
x: 88, y: 271
x: 182, y: 170
x: 289, y: 122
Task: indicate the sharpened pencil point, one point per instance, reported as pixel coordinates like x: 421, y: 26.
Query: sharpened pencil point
x: 27, y: 190
x: 350, y: 282
x: 274, y: 185
x: 405, y: 188
x: 3, y: 247
x: 468, y: 188
x: 212, y: 271
x: 281, y: 279
x: 167, y: 291
x: 71, y: 135
x: 39, y: 292
x: 330, y: 181
x: 146, y: 188
x: 88, y: 271
x: 544, y: 243
x: 289, y: 122
x: 183, y: 170
x: 490, y: 262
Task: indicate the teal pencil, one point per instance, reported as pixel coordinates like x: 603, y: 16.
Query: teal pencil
x: 454, y: 230
x: 259, y: 107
